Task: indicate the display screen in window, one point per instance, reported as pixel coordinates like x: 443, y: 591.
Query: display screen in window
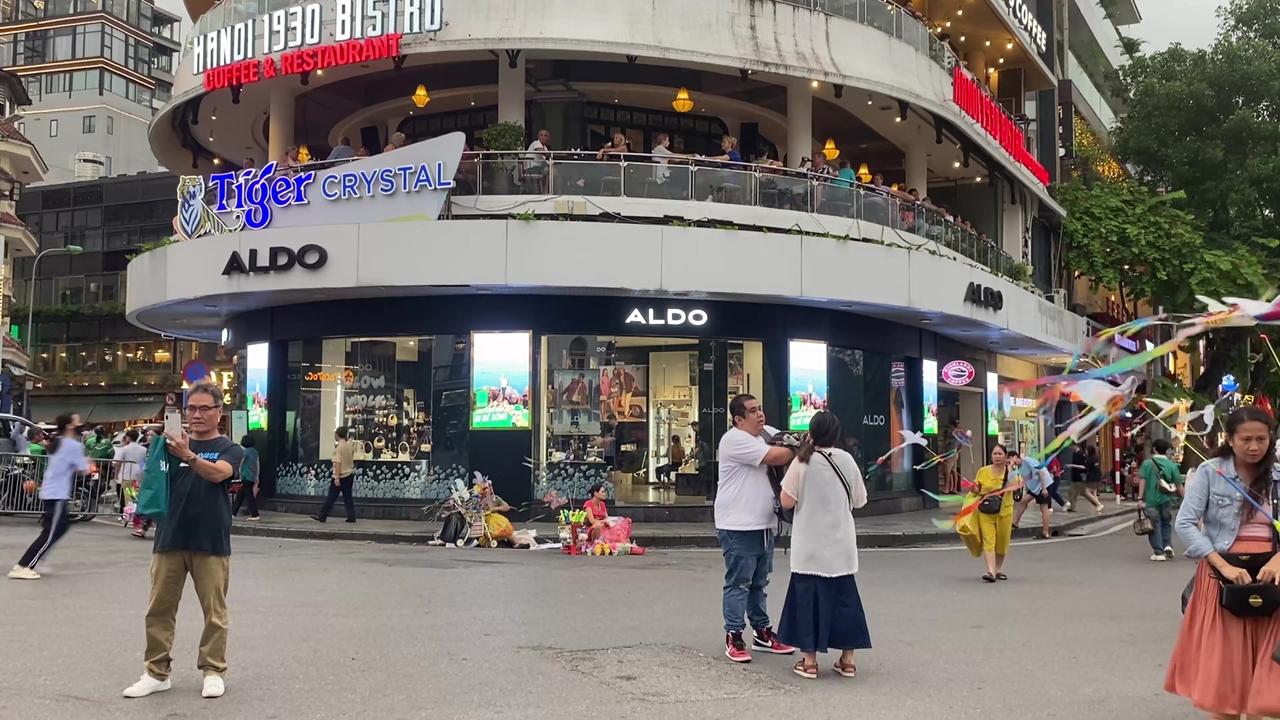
x: 500, y: 380
x: 255, y: 377
x: 806, y: 382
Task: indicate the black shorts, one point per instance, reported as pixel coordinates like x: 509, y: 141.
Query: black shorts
x: 1043, y: 500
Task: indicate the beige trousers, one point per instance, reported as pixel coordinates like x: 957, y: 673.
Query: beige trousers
x: 211, y: 575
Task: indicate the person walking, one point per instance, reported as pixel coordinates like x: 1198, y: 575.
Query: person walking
x: 344, y: 473
x: 987, y: 534
x: 1055, y: 490
x: 130, y: 458
x: 1161, y: 487
x: 1086, y: 477
x: 248, y: 490
x: 823, y: 608
x: 1221, y: 661
x: 744, y: 526
x: 193, y: 538
x: 66, y: 459
x: 1036, y: 484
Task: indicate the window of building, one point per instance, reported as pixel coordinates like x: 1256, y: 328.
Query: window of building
x: 53, y: 128
x: 404, y: 400
x: 69, y: 290
x: 111, y: 125
x: 87, y: 124
x: 108, y: 165
x: 22, y: 128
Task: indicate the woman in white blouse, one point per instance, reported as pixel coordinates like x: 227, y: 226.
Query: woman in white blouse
x: 823, y: 609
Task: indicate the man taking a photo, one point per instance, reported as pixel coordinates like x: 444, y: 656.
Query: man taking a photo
x: 194, y: 538
x: 744, y: 526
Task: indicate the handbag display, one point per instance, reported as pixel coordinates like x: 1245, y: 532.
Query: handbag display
x: 1142, y: 525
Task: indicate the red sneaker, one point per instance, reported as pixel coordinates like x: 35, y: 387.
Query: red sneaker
x: 765, y: 641
x: 735, y: 649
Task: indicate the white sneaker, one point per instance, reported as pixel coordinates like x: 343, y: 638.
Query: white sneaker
x: 213, y: 687
x: 1168, y: 552
x: 23, y: 573
x: 1158, y: 557
x: 145, y: 686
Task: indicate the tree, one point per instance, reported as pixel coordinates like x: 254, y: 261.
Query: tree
x: 1208, y: 123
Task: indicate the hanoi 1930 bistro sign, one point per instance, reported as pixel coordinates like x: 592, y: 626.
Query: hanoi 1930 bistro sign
x: 236, y: 54
x: 978, y: 104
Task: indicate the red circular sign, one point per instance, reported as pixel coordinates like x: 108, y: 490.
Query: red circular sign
x: 958, y: 373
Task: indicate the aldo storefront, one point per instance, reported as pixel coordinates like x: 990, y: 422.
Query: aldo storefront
x: 542, y: 393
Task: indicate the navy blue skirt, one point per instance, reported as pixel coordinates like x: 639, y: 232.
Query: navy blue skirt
x: 821, y: 613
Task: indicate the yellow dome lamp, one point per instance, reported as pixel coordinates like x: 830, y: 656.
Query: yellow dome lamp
x: 864, y: 173
x: 683, y: 103
x: 420, y: 97
x: 830, y: 151
x: 304, y: 154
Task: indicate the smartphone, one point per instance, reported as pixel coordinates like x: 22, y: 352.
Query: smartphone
x: 173, y: 422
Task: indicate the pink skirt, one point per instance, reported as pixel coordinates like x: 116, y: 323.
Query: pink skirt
x: 1222, y: 663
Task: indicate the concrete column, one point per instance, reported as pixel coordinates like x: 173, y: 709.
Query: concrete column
x: 511, y: 87
x: 279, y: 122
x: 799, y: 120
x: 917, y: 164
x: 978, y: 63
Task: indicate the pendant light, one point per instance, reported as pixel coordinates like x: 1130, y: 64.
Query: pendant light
x: 420, y: 97
x: 829, y: 150
x: 683, y: 103
x: 864, y: 173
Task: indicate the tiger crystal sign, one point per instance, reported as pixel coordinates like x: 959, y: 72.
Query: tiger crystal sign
x: 411, y: 183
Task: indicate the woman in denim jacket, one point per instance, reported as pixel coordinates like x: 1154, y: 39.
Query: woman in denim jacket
x: 1222, y: 662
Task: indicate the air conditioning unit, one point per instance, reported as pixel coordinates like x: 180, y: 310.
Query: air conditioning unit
x: 1057, y: 297
x: 89, y: 166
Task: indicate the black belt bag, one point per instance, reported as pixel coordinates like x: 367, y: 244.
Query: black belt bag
x: 991, y: 505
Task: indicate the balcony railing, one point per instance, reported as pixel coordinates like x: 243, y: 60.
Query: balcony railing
x: 642, y: 176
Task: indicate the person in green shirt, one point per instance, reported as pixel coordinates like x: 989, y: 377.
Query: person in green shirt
x: 1161, y: 488
x: 99, y: 446
x: 36, y: 444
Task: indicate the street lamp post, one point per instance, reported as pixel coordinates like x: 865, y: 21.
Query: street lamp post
x: 31, y: 300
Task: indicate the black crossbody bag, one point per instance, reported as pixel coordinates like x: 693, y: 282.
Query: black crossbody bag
x: 1254, y: 599
x: 990, y: 505
x: 848, y: 490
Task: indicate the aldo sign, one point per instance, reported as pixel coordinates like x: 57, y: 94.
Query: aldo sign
x: 986, y: 297
x: 672, y: 316
x: 277, y: 259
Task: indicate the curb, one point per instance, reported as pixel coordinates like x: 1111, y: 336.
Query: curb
x: 666, y: 541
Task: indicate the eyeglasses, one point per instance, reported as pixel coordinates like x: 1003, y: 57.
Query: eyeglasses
x: 202, y: 409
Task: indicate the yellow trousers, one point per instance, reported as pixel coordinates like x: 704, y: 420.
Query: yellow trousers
x: 995, y: 531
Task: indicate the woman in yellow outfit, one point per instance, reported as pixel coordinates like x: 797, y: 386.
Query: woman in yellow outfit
x: 988, y: 535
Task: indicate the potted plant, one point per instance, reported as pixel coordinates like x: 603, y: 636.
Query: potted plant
x: 498, y: 176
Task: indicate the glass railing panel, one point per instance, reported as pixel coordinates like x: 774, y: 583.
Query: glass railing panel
x: 586, y: 177
x: 785, y: 192
x: 722, y: 185
x: 654, y: 180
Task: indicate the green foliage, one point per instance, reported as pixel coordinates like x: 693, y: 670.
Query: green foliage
x: 54, y: 313
x: 1121, y: 235
x: 503, y: 137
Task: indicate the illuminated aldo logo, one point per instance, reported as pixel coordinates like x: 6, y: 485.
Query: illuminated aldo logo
x: 279, y: 259
x: 674, y: 316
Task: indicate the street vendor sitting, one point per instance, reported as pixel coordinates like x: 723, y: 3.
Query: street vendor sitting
x: 602, y: 527
x: 498, y: 525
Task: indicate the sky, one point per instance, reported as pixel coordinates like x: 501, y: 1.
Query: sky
x: 1164, y: 22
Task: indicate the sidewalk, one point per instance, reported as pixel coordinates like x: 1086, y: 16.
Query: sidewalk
x: 882, y: 531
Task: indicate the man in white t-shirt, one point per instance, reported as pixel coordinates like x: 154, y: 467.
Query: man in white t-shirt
x: 744, y: 526
x: 539, y: 150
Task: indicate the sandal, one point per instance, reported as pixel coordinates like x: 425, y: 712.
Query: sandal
x: 988, y: 577
x: 849, y: 671
x: 808, y: 672
x: 1001, y: 576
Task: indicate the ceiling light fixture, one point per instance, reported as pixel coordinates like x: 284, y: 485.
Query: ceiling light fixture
x: 813, y: 83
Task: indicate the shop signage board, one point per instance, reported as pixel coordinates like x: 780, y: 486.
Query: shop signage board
x: 670, y: 316
x: 958, y: 373
x: 989, y: 298
x: 993, y: 404
x: 929, y: 377
x: 1023, y: 13
x: 352, y: 25
x: 978, y: 104
x: 411, y: 183
x: 279, y: 259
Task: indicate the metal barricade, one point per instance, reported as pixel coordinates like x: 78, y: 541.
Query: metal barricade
x: 97, y: 492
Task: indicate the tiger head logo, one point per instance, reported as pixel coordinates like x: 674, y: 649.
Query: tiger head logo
x: 194, y: 218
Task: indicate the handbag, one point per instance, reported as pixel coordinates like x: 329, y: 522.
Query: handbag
x: 1142, y: 525
x: 1253, y: 599
x: 153, y: 494
x: 990, y: 505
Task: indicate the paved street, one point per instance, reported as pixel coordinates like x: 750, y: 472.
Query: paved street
x: 1082, y: 630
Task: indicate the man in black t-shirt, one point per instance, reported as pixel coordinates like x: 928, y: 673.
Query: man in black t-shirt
x: 194, y: 538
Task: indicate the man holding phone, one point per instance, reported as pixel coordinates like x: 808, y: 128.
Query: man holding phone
x: 194, y: 538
